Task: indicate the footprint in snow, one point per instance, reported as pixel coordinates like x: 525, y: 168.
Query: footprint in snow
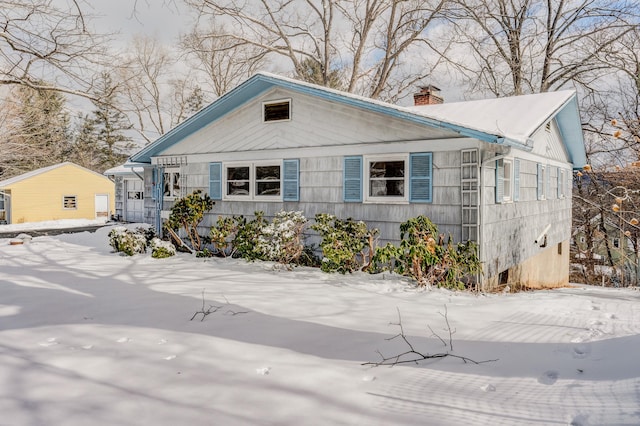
x: 87, y: 347
x: 611, y: 316
x: 263, y: 371
x: 162, y: 341
x: 49, y: 342
x: 170, y: 357
x: 488, y: 388
x: 123, y: 340
x: 581, y: 351
x: 548, y: 377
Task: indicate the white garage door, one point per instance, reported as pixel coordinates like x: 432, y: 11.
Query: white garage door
x: 134, y: 200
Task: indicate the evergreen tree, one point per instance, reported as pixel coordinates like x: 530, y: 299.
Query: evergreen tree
x: 38, y: 134
x: 110, y: 125
x: 85, y: 150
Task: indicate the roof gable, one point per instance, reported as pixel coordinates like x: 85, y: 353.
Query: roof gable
x: 524, y: 114
x: 13, y: 180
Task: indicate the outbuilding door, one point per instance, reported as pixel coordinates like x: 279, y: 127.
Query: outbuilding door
x: 134, y: 200
x: 102, y: 206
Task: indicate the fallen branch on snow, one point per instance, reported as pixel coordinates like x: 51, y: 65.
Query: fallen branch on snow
x: 414, y: 356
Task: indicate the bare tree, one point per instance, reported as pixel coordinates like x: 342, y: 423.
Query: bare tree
x: 364, y: 40
x: 222, y: 61
x: 511, y: 47
x: 47, y: 39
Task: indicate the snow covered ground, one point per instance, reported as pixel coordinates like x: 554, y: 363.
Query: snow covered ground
x: 88, y: 337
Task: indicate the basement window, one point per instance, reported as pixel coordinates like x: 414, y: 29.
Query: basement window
x: 276, y: 111
x: 69, y: 202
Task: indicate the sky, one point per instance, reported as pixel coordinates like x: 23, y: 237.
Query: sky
x: 91, y: 337
x: 163, y: 20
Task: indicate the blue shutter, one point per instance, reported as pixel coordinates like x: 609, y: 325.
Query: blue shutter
x: 215, y: 181
x: 540, y: 186
x: 516, y: 180
x: 421, y: 181
x: 352, y: 179
x: 291, y: 178
x: 499, y: 181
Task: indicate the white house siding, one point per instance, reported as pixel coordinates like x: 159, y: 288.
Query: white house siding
x: 314, y: 123
x: 510, y: 229
x: 119, y: 196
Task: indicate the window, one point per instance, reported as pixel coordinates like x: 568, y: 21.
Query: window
x: 238, y: 180
x: 561, y: 183
x: 267, y: 180
x: 386, y: 178
x: 135, y: 195
x: 171, y: 180
x: 542, y: 182
x: 276, y: 111
x: 69, y: 202
x: 248, y: 181
x: 504, y: 180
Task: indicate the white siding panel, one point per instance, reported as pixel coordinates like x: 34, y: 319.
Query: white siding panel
x: 314, y: 122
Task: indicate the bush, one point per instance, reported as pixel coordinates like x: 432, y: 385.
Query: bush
x: 187, y: 213
x: 247, y: 234
x: 427, y: 260
x: 161, y: 249
x: 281, y: 240
x: 346, y: 245
x: 223, y: 234
x: 126, y: 241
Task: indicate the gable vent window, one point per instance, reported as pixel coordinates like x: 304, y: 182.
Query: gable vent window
x: 547, y: 127
x: 277, y: 111
x: 69, y: 202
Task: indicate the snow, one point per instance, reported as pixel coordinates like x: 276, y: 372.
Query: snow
x: 91, y: 337
x: 51, y: 224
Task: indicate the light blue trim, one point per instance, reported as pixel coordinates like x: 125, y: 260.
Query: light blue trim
x: 260, y: 83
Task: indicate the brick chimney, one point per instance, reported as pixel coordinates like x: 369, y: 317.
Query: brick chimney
x: 428, y: 95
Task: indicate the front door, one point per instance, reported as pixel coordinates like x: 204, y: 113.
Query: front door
x: 102, y: 206
x: 134, y: 200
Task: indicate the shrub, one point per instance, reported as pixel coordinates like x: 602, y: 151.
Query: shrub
x: 187, y: 213
x: 126, y: 241
x: 427, y: 260
x: 161, y: 249
x: 282, y: 240
x: 247, y: 235
x: 223, y: 234
x: 347, y: 245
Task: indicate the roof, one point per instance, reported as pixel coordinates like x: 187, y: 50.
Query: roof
x: 125, y: 169
x: 510, y: 121
x: 8, y: 182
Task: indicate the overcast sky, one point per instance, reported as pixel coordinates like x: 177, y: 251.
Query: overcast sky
x: 164, y: 20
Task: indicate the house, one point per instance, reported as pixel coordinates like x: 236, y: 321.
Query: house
x: 61, y: 191
x: 495, y: 171
x: 129, y: 195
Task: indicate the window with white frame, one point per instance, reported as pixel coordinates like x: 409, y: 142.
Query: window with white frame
x: 69, y: 202
x: 386, y: 178
x: 276, y: 110
x: 253, y: 181
x: 542, y: 182
x: 171, y: 180
x: 504, y: 180
x: 561, y: 183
